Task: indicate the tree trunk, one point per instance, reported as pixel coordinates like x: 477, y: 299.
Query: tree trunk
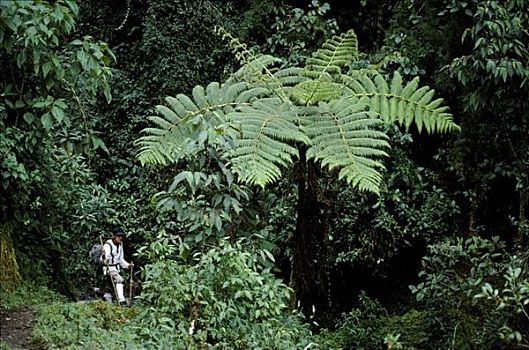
x: 9, y: 272
x: 308, y: 276
x: 523, y: 218
x: 523, y: 228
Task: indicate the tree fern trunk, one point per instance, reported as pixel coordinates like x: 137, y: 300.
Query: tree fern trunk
x: 309, y: 260
x: 9, y: 273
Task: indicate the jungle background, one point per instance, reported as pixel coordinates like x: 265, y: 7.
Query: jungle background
x: 438, y: 258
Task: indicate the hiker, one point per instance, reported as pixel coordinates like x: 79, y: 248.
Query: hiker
x: 114, y: 259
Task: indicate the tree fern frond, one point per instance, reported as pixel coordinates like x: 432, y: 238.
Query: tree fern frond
x: 267, y: 126
x: 257, y: 69
x: 324, y: 67
x: 312, y: 92
x: 290, y: 76
x: 344, y: 136
x: 409, y: 104
x: 254, y: 70
x: 251, y: 94
x: 174, y: 125
x: 199, y: 96
x: 334, y: 54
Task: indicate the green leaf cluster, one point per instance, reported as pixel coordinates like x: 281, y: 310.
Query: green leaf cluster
x: 221, y: 298
x: 473, y: 278
x: 331, y: 113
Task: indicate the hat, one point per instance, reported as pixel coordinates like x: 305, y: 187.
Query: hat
x: 118, y: 232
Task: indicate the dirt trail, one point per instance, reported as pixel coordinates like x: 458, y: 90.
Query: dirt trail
x: 15, y: 329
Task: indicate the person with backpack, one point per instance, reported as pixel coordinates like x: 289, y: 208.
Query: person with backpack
x: 113, y: 259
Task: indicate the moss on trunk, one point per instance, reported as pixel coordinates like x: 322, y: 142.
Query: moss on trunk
x: 9, y: 272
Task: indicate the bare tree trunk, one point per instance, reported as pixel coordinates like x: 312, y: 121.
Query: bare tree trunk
x: 9, y: 272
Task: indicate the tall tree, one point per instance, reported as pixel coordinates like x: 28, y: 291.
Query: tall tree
x: 320, y: 117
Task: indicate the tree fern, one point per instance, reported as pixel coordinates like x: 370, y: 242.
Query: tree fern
x: 405, y: 104
x: 334, y: 114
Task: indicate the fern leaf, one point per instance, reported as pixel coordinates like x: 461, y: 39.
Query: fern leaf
x: 325, y: 67
x: 175, y: 124
x: 267, y: 126
x: 407, y: 105
x: 344, y: 136
x: 290, y: 76
x: 311, y: 92
x: 334, y: 54
x: 199, y: 96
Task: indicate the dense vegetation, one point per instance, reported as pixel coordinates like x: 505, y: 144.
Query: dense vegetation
x: 291, y: 175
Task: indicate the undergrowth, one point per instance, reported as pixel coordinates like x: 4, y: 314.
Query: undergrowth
x: 93, y: 325
x: 28, y: 295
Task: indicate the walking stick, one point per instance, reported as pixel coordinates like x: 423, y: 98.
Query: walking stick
x: 108, y: 272
x: 130, y: 283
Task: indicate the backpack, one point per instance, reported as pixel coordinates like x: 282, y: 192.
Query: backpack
x: 95, y: 258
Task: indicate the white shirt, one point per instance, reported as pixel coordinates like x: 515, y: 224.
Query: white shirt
x: 113, y: 255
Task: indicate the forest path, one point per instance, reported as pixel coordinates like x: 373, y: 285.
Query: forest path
x: 15, y: 329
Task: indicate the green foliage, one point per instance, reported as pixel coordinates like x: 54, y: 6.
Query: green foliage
x: 33, y: 42
x: 49, y: 78
x: 370, y: 326
x: 270, y: 124
x: 28, y: 295
x: 292, y: 115
x: 492, y: 73
x: 477, y: 278
x: 499, y: 52
x: 222, y: 298
x: 344, y: 136
x: 203, y: 203
x: 85, y: 326
x: 405, y: 104
x: 204, y: 197
x: 337, y: 52
x: 185, y: 117
x: 412, y: 207
x: 295, y: 31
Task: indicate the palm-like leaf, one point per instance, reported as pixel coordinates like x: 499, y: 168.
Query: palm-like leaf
x: 176, y: 123
x: 334, y: 114
x: 405, y: 104
x: 345, y: 136
x: 324, y: 69
x: 335, y: 54
x: 267, y: 127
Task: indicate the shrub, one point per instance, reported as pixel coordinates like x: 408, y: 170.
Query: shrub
x: 369, y: 326
x: 95, y: 325
x: 478, y: 291
x: 224, y: 300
